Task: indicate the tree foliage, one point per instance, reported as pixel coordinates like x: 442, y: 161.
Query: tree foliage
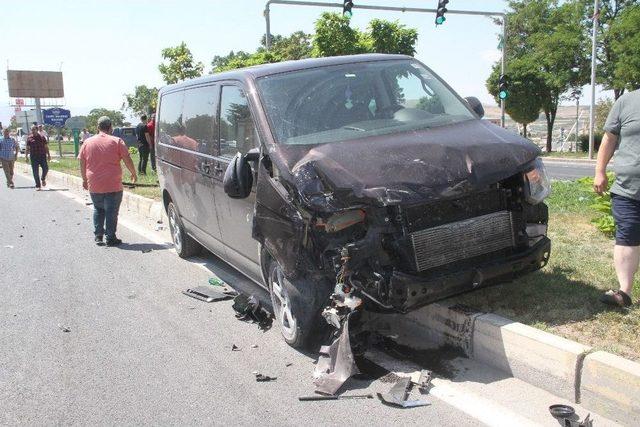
x: 179, y: 64
x: 546, y: 41
x: 117, y: 118
x: 525, y: 92
x: 392, y: 37
x: 624, y: 39
x: 143, y: 100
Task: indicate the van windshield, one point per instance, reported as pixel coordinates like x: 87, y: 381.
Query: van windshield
x: 351, y: 101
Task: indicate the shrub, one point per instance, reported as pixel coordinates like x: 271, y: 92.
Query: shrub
x: 133, y: 150
x: 584, y: 142
x: 604, y: 222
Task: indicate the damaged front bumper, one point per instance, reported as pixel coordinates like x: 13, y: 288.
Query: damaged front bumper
x: 408, y: 292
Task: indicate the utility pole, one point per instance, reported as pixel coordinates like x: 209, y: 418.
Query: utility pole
x: 267, y: 17
x: 596, y: 16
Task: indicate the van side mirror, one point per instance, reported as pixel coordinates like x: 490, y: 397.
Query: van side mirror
x: 238, y: 178
x: 475, y: 105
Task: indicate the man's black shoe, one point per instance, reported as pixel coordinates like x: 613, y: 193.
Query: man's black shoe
x: 114, y: 242
x: 99, y: 241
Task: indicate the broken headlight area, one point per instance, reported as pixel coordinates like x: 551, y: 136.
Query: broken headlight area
x: 537, y: 182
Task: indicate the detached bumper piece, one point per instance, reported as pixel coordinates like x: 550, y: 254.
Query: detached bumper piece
x: 408, y: 292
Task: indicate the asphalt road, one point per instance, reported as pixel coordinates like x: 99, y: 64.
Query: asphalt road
x: 103, y: 336
x: 568, y: 170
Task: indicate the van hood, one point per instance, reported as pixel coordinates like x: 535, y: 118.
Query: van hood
x: 403, y: 168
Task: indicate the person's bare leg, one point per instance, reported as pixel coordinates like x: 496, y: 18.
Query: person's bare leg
x: 625, y: 260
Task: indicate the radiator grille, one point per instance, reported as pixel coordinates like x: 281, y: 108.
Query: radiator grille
x: 460, y: 240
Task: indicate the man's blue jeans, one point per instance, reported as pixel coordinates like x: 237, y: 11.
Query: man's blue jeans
x: 38, y: 162
x: 105, y: 213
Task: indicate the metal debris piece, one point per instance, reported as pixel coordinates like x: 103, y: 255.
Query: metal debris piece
x: 288, y: 364
x: 206, y: 294
x: 264, y: 378
x: 64, y: 329
x: 235, y: 348
x: 254, y: 346
x: 424, y: 380
x: 336, y: 363
x: 317, y: 397
x: 399, y: 395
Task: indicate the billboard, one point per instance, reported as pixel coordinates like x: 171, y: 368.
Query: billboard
x: 35, y: 84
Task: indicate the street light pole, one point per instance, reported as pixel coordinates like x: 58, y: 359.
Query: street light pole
x: 503, y: 66
x: 596, y: 16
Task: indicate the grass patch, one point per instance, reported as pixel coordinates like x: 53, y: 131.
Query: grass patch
x: 71, y: 166
x: 563, y: 297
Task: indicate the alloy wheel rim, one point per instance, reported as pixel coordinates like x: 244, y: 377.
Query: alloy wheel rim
x: 282, y: 305
x: 175, y: 230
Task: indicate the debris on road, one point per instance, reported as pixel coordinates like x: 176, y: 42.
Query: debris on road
x: 206, y: 294
x: 249, y: 309
x: 424, y: 380
x: 318, y: 397
x: 9, y: 246
x: 567, y: 417
x: 146, y: 250
x: 235, y: 348
x: 216, y: 281
x: 254, y: 346
x: 264, y: 378
x: 64, y: 328
x: 288, y: 364
x: 399, y: 395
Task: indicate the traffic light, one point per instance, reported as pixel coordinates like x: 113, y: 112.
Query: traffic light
x: 440, y: 11
x: 347, y: 5
x: 504, y: 87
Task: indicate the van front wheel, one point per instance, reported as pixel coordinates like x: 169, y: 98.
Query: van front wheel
x: 184, y: 244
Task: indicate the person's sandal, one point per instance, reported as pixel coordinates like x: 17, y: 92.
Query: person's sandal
x: 616, y: 299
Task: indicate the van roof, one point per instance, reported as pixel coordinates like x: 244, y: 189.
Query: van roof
x: 257, y: 71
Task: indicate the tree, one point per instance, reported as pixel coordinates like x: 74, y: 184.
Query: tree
x: 334, y: 36
x: 117, y: 118
x: 143, y: 100
x: 602, y: 112
x: 625, y: 47
x: 392, y: 37
x: 525, y: 100
x: 296, y: 46
x: 222, y: 63
x: 607, y: 56
x: 548, y: 39
x: 180, y: 66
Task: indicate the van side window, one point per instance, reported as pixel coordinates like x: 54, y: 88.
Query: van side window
x: 198, y: 117
x: 237, y: 130
x: 170, y: 117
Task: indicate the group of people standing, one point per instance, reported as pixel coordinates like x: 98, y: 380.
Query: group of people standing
x: 37, y: 148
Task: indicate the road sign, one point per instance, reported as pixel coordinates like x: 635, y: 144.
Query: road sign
x: 55, y: 116
x: 75, y: 123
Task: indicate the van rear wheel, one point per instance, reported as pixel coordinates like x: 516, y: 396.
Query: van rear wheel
x: 184, y: 244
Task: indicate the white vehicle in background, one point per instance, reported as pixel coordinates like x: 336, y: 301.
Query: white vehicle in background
x: 21, y: 137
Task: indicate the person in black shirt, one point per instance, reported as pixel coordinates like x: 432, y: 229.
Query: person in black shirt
x: 143, y: 144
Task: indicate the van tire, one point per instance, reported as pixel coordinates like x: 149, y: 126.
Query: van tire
x: 184, y: 244
x: 297, y: 307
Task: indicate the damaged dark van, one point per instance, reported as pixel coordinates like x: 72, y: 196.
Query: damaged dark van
x: 348, y: 183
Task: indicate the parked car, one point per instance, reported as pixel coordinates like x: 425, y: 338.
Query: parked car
x: 127, y: 134
x: 21, y: 137
x: 366, y: 173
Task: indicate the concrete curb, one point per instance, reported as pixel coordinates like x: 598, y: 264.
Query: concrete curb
x: 602, y: 382
x: 139, y: 206
x: 568, y: 160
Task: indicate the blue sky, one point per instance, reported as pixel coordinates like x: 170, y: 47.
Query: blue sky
x: 105, y: 48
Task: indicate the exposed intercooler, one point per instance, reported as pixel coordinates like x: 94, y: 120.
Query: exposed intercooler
x: 456, y: 241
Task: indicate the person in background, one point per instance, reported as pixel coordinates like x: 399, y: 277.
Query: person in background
x: 151, y: 132
x: 100, y: 158
x: 8, y: 154
x: 143, y: 144
x: 43, y: 132
x: 84, y: 135
x: 38, y: 149
x: 622, y: 132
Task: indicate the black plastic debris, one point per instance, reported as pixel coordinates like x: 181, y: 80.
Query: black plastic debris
x: 249, y: 309
x: 146, y: 250
x: 261, y: 378
x: 235, y: 348
x: 567, y: 416
x: 65, y: 329
x: 206, y: 294
x: 288, y: 364
x: 399, y: 395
